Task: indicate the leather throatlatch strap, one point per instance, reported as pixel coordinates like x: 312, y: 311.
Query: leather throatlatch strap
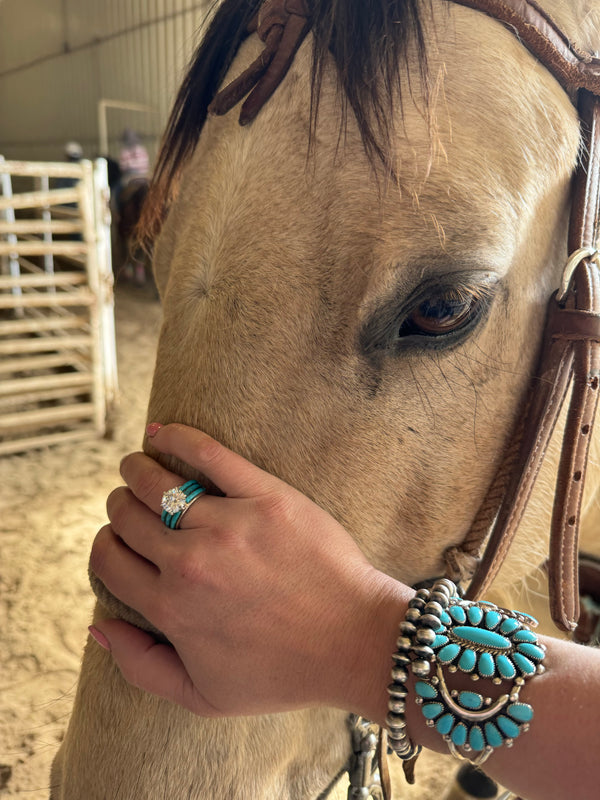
x: 570, y: 358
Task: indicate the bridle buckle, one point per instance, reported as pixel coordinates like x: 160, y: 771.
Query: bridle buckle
x: 574, y: 260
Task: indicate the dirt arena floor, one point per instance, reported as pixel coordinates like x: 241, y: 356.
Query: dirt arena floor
x: 52, y: 502
x: 51, y: 505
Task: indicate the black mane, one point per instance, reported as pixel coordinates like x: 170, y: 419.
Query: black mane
x: 368, y: 40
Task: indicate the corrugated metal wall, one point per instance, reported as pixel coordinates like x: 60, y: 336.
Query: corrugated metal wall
x: 58, y: 58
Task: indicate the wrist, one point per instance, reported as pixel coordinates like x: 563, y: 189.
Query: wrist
x: 367, y: 672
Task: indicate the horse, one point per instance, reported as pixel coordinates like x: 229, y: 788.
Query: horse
x: 354, y: 285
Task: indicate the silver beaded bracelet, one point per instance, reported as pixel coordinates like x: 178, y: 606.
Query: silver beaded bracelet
x: 441, y: 630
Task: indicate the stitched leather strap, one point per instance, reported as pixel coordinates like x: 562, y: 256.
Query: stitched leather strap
x: 572, y: 68
x: 570, y: 358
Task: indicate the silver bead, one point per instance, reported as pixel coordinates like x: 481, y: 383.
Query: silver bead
x: 401, y: 658
x: 399, y: 674
x: 447, y: 584
x: 423, y: 594
x: 403, y: 643
x: 441, y: 598
x: 429, y: 621
x: 407, y: 628
x: 397, y: 706
x: 434, y: 608
x: 425, y: 636
x: 423, y: 651
x: 395, y: 721
x: 417, y: 602
x: 396, y: 691
x: 421, y: 668
x: 413, y: 614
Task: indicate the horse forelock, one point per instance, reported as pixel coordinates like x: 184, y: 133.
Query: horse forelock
x: 369, y: 41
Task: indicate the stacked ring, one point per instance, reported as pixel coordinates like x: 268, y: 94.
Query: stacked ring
x: 176, y: 502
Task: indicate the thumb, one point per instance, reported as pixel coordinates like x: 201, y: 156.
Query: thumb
x: 150, y: 665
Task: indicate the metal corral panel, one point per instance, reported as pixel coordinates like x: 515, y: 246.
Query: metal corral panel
x: 59, y: 58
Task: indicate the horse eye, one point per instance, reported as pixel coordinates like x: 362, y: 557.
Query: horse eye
x: 443, y: 313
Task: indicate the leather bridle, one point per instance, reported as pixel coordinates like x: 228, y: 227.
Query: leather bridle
x: 570, y: 357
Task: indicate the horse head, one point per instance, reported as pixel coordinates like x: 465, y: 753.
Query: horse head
x: 354, y: 286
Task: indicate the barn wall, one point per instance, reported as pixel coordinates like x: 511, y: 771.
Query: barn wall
x: 58, y: 58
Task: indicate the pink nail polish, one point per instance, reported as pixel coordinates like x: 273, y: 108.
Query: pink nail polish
x: 152, y: 429
x: 99, y: 637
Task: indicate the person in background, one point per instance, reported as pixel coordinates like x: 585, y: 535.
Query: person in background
x: 133, y: 158
x: 73, y: 152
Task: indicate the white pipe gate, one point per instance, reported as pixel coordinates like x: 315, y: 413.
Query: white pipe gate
x: 58, y: 372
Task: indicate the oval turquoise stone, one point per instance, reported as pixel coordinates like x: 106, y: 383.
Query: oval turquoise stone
x: 493, y: 735
x: 531, y: 651
x: 482, y: 637
x: 467, y: 661
x: 476, y: 739
x: 425, y: 690
x: 432, y: 710
x: 458, y: 614
x: 506, y: 668
x: 459, y: 734
x: 523, y: 664
x: 471, y: 700
x: 439, y: 641
x: 522, y: 712
x: 492, y: 618
x: 444, y: 724
x: 448, y: 653
x: 445, y: 618
x: 509, y: 625
x: 475, y: 615
x: 486, y: 665
x: 525, y: 636
x: 508, y: 727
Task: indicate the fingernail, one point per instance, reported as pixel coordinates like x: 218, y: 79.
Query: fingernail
x: 99, y: 637
x: 153, y: 428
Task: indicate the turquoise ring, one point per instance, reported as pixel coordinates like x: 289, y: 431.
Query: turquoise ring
x: 176, y: 502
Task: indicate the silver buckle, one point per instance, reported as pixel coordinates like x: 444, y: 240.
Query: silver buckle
x: 573, y: 262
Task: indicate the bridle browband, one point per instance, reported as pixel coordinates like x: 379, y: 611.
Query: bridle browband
x: 571, y: 343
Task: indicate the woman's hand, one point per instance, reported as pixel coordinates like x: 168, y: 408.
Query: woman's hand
x: 267, y: 601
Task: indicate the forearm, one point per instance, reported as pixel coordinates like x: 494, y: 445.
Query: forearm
x: 558, y: 757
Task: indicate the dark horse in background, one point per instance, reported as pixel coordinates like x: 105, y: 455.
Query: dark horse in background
x: 130, y: 263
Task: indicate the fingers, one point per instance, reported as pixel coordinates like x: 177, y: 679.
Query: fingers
x: 127, y: 575
x: 153, y: 667
x: 235, y: 476
x: 136, y: 524
x: 148, y: 481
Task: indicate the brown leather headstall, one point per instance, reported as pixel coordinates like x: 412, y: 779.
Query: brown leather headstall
x: 570, y: 357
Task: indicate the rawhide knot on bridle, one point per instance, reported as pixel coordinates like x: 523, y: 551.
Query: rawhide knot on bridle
x: 282, y: 25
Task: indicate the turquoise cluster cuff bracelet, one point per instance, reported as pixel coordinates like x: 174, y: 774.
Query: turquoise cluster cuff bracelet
x: 177, y: 501
x: 444, y: 634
